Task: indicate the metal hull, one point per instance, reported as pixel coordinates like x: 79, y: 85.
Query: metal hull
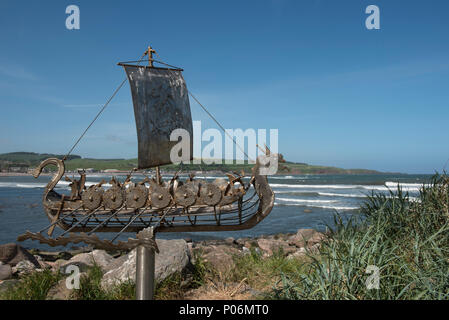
x: 165, y: 207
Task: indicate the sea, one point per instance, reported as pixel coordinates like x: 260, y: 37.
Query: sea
x: 301, y: 201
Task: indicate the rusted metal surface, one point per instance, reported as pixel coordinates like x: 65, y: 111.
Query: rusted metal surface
x: 161, y: 105
x: 210, y: 194
x: 113, y: 198
x: 92, y: 240
x: 194, y: 205
x: 136, y: 196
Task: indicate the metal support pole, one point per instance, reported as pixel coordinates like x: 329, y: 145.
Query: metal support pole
x: 145, y: 265
x: 158, y: 176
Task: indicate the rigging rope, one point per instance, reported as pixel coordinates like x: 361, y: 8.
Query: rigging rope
x: 98, y: 114
x: 207, y: 111
x: 218, y: 123
x: 190, y: 93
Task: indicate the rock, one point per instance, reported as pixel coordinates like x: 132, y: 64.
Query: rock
x: 54, y: 256
x: 251, y: 244
x: 7, y: 284
x: 42, y: 263
x: 24, y: 267
x: 301, y: 252
x: 315, y: 248
x: 12, y: 254
x: 77, y: 250
x: 229, y: 240
x: 86, y: 260
x: 5, y: 271
x: 268, y: 246
x: 122, y: 270
x: 82, y: 267
x: 60, y: 291
x: 220, y: 257
x: 174, y: 256
x: 241, y: 241
x: 308, y: 211
x: 38, y: 258
x: 306, y: 237
x: 56, y: 265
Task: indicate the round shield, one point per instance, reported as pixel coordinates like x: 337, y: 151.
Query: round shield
x: 113, y: 198
x: 159, y: 196
x: 185, y: 195
x: 136, y: 196
x: 229, y: 197
x: 210, y: 194
x: 91, y: 198
x: 221, y: 183
x: 194, y: 185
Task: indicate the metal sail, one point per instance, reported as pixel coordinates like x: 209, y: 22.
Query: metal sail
x: 161, y: 105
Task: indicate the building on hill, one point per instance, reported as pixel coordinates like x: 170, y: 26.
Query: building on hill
x: 18, y: 168
x: 111, y: 171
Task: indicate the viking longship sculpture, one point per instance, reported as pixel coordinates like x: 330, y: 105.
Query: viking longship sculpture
x: 161, y: 105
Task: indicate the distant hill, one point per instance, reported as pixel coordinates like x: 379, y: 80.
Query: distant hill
x: 74, y: 162
x: 28, y: 159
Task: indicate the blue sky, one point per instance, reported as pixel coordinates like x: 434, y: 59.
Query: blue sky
x: 338, y: 93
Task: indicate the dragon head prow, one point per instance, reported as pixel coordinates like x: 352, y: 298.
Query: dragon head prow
x: 50, y: 161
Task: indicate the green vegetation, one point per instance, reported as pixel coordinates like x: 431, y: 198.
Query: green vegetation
x: 90, y: 288
x: 103, y: 164
x: 288, y: 167
x: 34, y: 286
x: 260, y: 273
x: 37, y: 285
x: 30, y: 159
x: 407, y: 240
x: 176, y: 285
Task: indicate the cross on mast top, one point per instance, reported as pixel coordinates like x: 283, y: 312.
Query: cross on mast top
x: 150, y: 52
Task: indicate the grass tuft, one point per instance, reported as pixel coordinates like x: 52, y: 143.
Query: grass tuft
x: 404, y: 239
x: 34, y: 286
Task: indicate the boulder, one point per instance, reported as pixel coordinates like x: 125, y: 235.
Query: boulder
x: 268, y: 246
x: 51, y: 256
x: 42, y: 263
x: 174, y: 256
x: 251, y: 244
x: 5, y: 271
x: 24, y: 267
x: 121, y: 270
x: 301, y: 252
x: 306, y: 238
x: 60, y: 291
x: 220, y: 257
x: 12, y: 254
x: 85, y: 260
x: 56, y: 265
x: 7, y: 284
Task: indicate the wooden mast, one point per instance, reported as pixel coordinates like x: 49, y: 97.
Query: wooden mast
x: 150, y: 52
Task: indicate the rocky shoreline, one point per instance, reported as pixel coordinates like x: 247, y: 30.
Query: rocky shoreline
x: 175, y: 256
